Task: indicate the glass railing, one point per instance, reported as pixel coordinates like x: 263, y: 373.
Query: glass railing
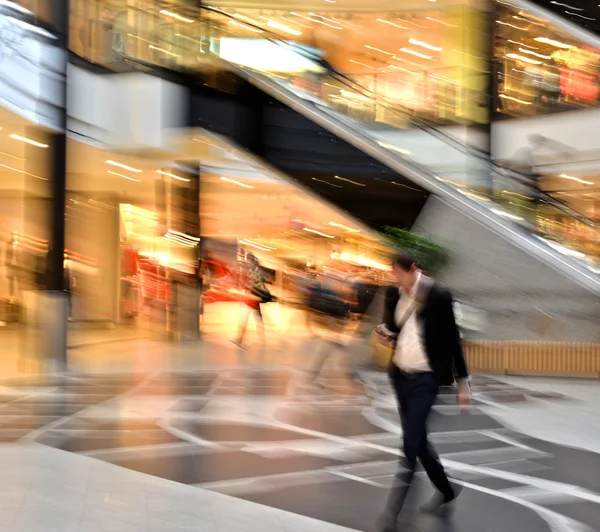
x: 301, y: 70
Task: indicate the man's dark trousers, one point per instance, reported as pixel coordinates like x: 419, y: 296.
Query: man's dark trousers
x: 416, y: 394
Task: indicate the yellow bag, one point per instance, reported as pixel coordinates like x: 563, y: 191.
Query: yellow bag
x: 381, y: 354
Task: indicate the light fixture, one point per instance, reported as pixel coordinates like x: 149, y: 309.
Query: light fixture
x: 531, y: 52
x: 349, y: 181
x: 123, y: 176
x: 344, y: 227
x: 28, y: 141
x: 245, y: 26
x: 383, y: 21
x: 315, y: 232
x: 377, y: 50
x: 162, y: 172
x: 282, y: 27
x: 513, y: 99
x: 441, y: 22
x: 168, y: 13
x: 124, y: 166
x: 362, y: 64
x: 159, y: 49
x: 326, y: 182
x: 578, y: 15
x: 552, y: 42
x: 256, y: 245
x: 511, y: 25
x: 425, y: 45
x: 579, y: 180
x: 296, y: 22
x: 234, y: 182
x: 523, y: 44
x: 184, y: 235
x: 23, y: 172
x: 524, y: 59
x: 566, y: 5
x: 415, y: 53
x: 312, y: 19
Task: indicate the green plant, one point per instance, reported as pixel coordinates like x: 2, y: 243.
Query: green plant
x: 430, y: 256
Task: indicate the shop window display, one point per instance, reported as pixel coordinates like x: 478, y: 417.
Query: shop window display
x: 540, y: 68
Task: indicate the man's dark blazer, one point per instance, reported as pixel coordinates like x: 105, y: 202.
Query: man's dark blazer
x: 440, y: 331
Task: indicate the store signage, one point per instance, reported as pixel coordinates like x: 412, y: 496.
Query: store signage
x: 31, y: 70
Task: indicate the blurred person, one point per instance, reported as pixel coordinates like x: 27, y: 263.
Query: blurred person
x: 524, y: 159
x: 254, y: 281
x: 328, y: 309
x: 419, y: 321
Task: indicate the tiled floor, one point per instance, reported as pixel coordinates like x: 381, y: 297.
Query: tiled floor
x: 228, y: 446
x: 177, y: 438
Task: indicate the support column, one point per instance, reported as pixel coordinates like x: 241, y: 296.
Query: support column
x: 57, y: 296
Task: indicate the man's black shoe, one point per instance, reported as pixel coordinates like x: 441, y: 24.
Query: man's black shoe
x: 440, y: 505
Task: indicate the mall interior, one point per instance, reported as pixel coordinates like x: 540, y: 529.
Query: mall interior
x: 155, y: 154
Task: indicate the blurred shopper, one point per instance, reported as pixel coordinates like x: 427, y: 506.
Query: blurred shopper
x: 329, y: 309
x: 524, y: 159
x: 254, y: 281
x: 419, y: 320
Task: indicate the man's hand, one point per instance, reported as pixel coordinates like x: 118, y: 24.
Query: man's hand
x: 464, y: 396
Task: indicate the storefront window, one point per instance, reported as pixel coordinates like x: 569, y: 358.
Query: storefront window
x: 540, y: 68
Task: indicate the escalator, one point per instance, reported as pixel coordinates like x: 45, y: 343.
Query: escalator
x: 380, y: 163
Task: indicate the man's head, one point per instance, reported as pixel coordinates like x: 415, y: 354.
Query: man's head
x: 405, y: 270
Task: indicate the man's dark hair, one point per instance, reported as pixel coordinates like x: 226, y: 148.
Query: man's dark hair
x: 404, y: 261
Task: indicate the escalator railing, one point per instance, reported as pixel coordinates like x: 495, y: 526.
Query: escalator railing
x: 439, y: 161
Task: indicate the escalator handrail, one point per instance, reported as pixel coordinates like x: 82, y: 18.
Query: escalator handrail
x: 422, y: 124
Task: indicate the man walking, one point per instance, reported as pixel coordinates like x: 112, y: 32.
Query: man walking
x: 419, y: 319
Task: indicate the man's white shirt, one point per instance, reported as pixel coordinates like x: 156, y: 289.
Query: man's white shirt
x: 410, y: 354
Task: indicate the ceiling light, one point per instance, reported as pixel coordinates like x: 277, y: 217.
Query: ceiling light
x: 28, y: 141
x: 573, y: 178
x: 283, y: 27
x: 257, y: 245
x: 578, y: 15
x: 327, y: 182
x: 552, y: 42
x: 316, y: 20
x: 383, y: 21
x: 124, y: 166
x: 441, y: 22
x: 566, y: 5
x: 524, y: 59
x: 161, y: 172
x: 377, y: 50
x: 415, y: 53
x: 511, y: 25
x: 245, y: 26
x: 523, y: 44
x: 296, y: 22
x: 513, y: 99
x: 238, y: 183
x: 314, y: 231
x: 350, y: 181
x: 517, y: 17
x: 176, y: 16
x: 425, y: 45
x: 159, y: 49
x: 23, y: 172
x: 123, y: 176
x: 184, y: 235
x: 362, y: 64
x: 344, y: 227
x: 531, y: 52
